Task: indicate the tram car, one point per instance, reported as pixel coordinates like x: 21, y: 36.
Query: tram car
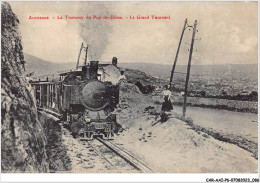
x: 86, y: 98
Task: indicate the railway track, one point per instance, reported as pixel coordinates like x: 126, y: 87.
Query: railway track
x: 119, y: 159
x: 102, y: 156
x: 127, y: 156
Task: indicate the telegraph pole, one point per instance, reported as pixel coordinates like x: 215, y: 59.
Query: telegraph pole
x: 177, y: 53
x: 86, y: 56
x: 188, y: 69
x: 79, y: 56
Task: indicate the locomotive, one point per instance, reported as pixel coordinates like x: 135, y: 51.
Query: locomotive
x: 86, y: 98
x: 88, y: 103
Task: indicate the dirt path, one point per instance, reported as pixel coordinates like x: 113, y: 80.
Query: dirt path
x: 173, y: 146
x: 241, y: 124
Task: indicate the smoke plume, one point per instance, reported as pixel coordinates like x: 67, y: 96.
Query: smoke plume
x: 95, y: 32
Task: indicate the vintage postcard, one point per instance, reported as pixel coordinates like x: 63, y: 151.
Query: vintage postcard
x: 129, y: 87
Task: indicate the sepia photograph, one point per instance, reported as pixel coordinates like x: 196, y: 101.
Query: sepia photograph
x: 129, y: 87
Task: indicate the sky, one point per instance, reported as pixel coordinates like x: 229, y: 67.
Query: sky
x: 227, y: 31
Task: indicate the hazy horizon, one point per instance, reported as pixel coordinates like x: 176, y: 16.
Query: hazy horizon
x: 227, y: 31
x: 135, y: 62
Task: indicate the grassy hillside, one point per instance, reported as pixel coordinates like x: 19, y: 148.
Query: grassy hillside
x: 134, y: 75
x: 42, y: 68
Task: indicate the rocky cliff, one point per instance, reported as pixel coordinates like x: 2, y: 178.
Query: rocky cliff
x: 23, y: 141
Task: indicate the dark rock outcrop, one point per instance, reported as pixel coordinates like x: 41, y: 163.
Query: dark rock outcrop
x: 56, y: 150
x: 23, y: 140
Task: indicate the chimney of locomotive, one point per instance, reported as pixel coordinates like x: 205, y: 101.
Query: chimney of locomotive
x: 93, y: 70
x: 85, y: 72
x: 114, y: 61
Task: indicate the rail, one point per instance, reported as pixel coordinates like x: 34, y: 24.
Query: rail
x: 136, y: 163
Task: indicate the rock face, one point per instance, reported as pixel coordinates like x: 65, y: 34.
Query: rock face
x: 23, y: 140
x: 56, y: 150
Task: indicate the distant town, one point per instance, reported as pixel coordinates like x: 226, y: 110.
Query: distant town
x: 235, y: 87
